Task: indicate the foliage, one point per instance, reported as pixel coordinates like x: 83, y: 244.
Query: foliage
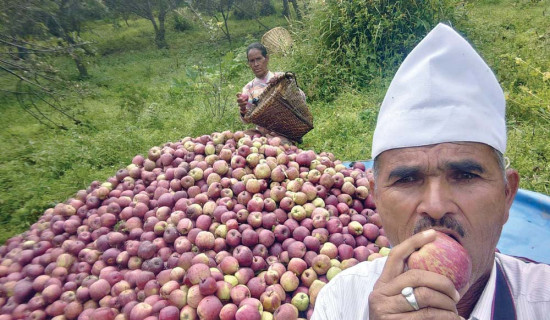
x: 32, y: 34
x: 70, y: 15
x: 515, y: 40
x: 212, y: 85
x: 267, y: 8
x: 286, y: 9
x: 152, y: 10
x: 219, y: 10
x: 137, y: 36
x: 34, y: 27
x: 181, y: 20
x: 117, y: 8
x: 354, y: 42
x: 250, y: 9
x: 133, y: 100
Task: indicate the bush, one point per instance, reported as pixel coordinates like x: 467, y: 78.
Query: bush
x: 181, y: 23
x: 267, y: 8
x: 250, y: 9
x: 133, y: 100
x: 352, y: 42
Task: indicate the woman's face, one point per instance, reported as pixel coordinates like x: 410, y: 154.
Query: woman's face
x: 257, y: 63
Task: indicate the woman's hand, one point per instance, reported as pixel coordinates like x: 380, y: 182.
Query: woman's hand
x: 435, y: 294
x: 275, y: 78
x: 242, y: 101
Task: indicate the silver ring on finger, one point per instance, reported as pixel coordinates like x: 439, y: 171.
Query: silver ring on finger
x: 408, y: 293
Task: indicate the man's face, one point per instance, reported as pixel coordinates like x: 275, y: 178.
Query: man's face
x: 257, y: 63
x: 457, y: 188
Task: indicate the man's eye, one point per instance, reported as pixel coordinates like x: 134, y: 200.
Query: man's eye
x: 465, y: 176
x: 407, y: 179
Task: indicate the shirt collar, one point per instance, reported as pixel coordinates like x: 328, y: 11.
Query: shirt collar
x: 268, y: 76
x: 483, y: 308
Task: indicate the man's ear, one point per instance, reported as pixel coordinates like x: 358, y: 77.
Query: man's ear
x: 511, y: 189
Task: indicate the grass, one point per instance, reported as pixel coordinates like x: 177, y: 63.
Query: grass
x: 138, y: 97
x: 515, y: 41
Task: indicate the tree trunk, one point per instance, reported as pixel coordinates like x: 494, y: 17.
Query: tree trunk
x: 22, y: 52
x: 227, y: 30
x: 296, y: 9
x: 160, y: 37
x: 225, y: 16
x: 160, y: 40
x: 286, y: 10
x: 82, y: 71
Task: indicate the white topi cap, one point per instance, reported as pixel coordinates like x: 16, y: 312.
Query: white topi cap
x: 442, y: 92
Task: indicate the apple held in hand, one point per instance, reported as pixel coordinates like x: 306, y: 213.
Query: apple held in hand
x: 444, y: 256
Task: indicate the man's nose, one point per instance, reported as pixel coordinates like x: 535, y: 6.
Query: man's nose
x: 436, y: 199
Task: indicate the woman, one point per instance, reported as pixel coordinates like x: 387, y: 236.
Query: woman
x: 258, y: 61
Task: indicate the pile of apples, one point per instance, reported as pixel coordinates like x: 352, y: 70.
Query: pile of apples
x: 222, y: 226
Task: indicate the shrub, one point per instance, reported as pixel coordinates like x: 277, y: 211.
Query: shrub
x: 133, y: 100
x: 250, y: 9
x: 181, y: 22
x: 267, y: 8
x: 355, y: 41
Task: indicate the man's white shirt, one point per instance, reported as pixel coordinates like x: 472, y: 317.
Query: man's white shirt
x: 346, y: 296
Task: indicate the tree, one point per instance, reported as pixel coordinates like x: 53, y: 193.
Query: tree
x: 117, y: 8
x: 34, y: 78
x: 31, y: 33
x: 215, y: 8
x: 286, y: 9
x: 60, y: 19
x: 152, y: 10
x: 65, y: 19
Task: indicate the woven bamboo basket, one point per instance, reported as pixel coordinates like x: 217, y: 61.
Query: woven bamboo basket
x: 277, y: 40
x: 281, y: 108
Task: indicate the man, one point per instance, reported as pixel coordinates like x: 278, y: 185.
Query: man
x: 438, y: 148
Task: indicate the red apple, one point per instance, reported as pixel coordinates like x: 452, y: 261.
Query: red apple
x: 209, y: 308
x: 239, y: 293
x: 270, y: 301
x: 444, y: 256
x: 141, y: 311
x: 188, y: 313
x: 286, y: 311
x: 228, y: 312
x: 248, y: 312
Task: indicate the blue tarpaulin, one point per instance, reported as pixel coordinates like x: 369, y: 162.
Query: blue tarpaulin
x: 527, y: 232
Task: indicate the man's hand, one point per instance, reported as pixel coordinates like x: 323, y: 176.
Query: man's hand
x: 435, y: 294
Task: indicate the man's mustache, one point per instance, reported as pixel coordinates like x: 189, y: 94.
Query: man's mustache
x: 447, y: 222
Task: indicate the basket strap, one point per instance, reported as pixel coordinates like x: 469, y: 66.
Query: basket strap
x: 292, y: 76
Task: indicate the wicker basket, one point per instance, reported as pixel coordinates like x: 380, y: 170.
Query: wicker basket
x: 277, y: 40
x: 281, y: 108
